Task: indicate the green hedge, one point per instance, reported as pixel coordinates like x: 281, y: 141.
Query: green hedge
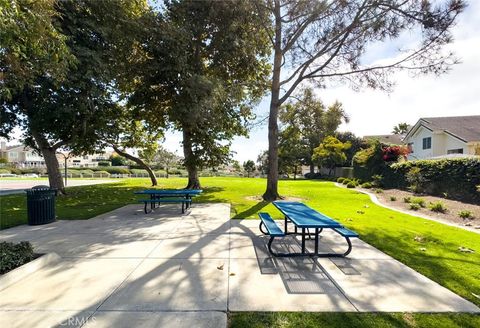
x: 14, y: 255
x: 450, y: 178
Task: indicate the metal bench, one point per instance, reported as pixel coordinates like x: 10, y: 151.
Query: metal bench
x: 273, y: 230
x: 347, y: 234
x: 184, y: 201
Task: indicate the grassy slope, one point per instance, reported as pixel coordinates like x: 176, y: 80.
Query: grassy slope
x: 390, y: 231
x: 358, y: 320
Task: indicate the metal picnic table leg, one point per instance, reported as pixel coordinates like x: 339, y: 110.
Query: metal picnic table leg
x: 316, y: 240
x: 303, y: 240
x: 286, y: 226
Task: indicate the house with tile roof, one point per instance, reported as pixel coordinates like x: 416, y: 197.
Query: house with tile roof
x: 436, y: 137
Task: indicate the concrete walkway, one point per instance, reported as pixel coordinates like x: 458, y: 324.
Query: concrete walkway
x: 128, y: 269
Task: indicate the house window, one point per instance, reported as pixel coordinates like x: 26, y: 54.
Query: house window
x: 455, y: 151
x: 427, y: 143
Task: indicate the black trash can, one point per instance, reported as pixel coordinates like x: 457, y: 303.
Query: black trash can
x: 41, y: 205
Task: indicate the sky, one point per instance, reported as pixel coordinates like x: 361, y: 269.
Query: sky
x: 456, y: 93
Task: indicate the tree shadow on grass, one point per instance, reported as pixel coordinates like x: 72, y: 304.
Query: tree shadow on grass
x: 252, y: 210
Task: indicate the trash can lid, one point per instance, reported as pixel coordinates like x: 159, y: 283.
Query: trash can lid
x: 41, y: 187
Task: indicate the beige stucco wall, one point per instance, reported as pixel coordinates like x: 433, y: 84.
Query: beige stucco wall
x: 441, y: 143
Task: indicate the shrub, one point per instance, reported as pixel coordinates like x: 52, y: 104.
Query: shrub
x: 377, y: 180
x: 5, y: 171
x: 36, y: 170
x: 139, y: 172
x: 465, y: 214
x: 418, y: 200
x: 369, y: 162
x: 438, y: 207
x: 414, y: 206
x: 74, y: 173
x: 367, y: 185
x: 310, y: 175
x: 104, y: 163
x: 340, y: 180
x: 378, y: 191
x: 101, y: 174
x: 415, y: 179
x: 346, y: 181
x: 407, y: 199
x: 455, y: 177
x: 351, y: 184
x: 394, y: 153
x: 14, y: 255
x: 112, y: 170
x: 393, y: 198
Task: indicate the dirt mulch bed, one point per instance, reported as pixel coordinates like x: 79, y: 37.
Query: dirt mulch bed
x: 453, y: 207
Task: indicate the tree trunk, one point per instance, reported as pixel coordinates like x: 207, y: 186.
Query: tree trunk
x: 312, y: 169
x: 54, y: 176
x: 272, y: 178
x: 294, y: 172
x: 139, y: 161
x: 193, y: 180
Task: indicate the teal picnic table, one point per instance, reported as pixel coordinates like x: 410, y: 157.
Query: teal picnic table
x: 158, y: 196
x: 303, y: 218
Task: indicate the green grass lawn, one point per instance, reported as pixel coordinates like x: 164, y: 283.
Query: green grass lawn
x: 357, y: 320
x: 428, y: 247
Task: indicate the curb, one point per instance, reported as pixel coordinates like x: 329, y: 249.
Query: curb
x: 23, y: 271
x: 375, y: 200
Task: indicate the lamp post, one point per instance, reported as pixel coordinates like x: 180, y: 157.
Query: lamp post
x: 65, y: 157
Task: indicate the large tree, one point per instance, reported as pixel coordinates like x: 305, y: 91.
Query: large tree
x: 306, y: 121
x: 69, y: 112
x: 205, y: 71
x: 31, y: 51
x: 400, y: 128
x: 330, y: 153
x: 321, y: 41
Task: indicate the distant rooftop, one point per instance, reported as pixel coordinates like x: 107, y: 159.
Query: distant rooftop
x: 466, y: 128
x: 395, y: 139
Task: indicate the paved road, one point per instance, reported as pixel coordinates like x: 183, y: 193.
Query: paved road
x: 9, y: 187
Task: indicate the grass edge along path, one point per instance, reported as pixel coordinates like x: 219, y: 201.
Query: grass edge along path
x: 358, y: 320
x: 431, y: 248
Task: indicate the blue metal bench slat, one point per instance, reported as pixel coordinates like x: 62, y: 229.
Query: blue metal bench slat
x: 273, y: 229
x: 190, y: 192
x: 346, y: 232
x: 166, y: 200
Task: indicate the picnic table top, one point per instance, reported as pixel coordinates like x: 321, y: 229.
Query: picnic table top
x: 170, y: 191
x: 305, y: 217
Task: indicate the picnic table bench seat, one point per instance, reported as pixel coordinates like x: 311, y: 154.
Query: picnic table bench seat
x: 273, y: 230
x: 346, y: 232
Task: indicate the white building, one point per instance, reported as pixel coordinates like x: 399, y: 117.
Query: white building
x: 25, y: 157
x: 21, y: 156
x: 444, y: 136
